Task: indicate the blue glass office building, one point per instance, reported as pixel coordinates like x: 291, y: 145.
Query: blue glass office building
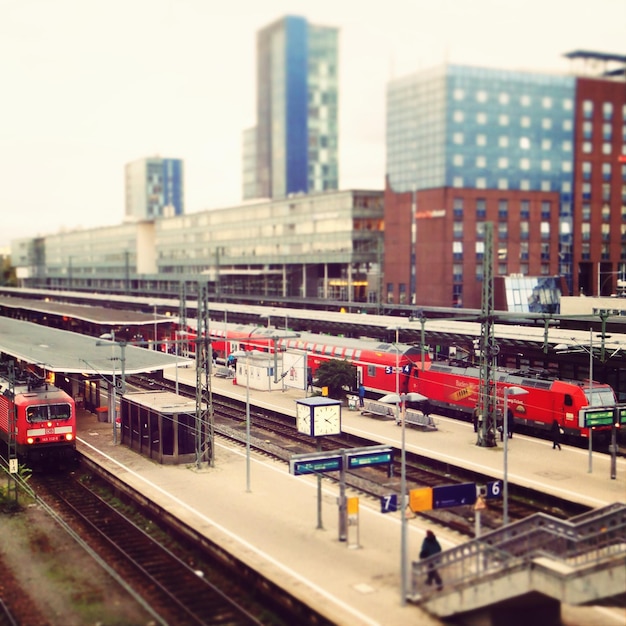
x: 293, y: 148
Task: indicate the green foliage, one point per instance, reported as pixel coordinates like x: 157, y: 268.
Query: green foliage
x: 339, y: 376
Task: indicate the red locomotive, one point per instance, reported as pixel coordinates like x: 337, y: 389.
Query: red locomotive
x: 44, y: 419
x: 375, y: 361
x: 453, y: 389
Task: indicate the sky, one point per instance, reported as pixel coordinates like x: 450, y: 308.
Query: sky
x: 90, y: 85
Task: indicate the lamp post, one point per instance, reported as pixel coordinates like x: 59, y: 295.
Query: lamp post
x: 508, y: 391
x: 238, y: 354
x: 110, y: 340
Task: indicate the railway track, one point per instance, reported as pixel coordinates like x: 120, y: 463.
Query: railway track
x: 274, y: 434
x: 178, y: 585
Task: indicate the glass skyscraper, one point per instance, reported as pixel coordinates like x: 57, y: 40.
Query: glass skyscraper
x: 294, y: 146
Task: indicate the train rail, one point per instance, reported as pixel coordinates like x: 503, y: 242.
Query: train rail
x: 273, y: 434
x: 180, y: 585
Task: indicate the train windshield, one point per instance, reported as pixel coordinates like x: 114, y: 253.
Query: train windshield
x: 46, y: 412
x: 601, y: 396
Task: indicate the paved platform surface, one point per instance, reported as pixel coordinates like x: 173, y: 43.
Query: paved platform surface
x: 274, y: 526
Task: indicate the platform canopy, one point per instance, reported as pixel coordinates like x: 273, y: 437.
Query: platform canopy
x: 63, y: 351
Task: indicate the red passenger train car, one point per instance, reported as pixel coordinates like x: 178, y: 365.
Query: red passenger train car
x: 45, y: 420
x: 375, y: 361
x: 453, y: 389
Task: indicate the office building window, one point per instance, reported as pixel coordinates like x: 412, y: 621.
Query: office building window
x: 503, y: 120
x: 458, y: 94
x: 546, y: 123
x: 546, y: 144
x: 524, y: 164
x: 606, y: 147
x: 458, y: 139
x: 458, y: 116
x: 480, y: 230
x: 481, y: 118
x: 545, y: 251
x: 524, y: 210
x: 546, y: 209
x: 607, y: 131
x: 457, y: 160
x: 586, y: 211
x: 480, y: 250
x: 586, y: 167
x: 524, y: 143
x: 585, y: 251
x: 524, y: 184
x: 606, y: 212
x: 504, y: 98
x: 481, y: 96
x: 503, y: 184
x: 503, y: 231
x: 503, y: 142
x: 481, y: 140
x: 457, y: 181
x: 457, y: 208
x: 525, y: 101
x: 457, y: 250
x: 479, y: 272
x: 525, y: 121
x: 566, y: 146
x: 587, y: 129
x: 481, y: 208
x: 523, y: 250
x: 607, y: 110
x: 523, y: 231
x: 457, y: 272
x: 503, y: 209
x: 545, y: 230
x: 503, y: 163
x: 481, y: 161
x: 606, y: 171
x: 587, y: 109
x: 585, y: 231
x: 606, y: 232
x: 481, y: 183
x: 457, y: 230
x: 587, y: 147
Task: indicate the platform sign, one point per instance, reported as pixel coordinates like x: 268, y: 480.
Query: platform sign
x: 494, y: 489
x: 298, y: 467
x: 601, y: 416
x: 621, y: 412
x: 421, y: 499
x: 389, y: 503
x: 454, y: 495
x: 375, y: 457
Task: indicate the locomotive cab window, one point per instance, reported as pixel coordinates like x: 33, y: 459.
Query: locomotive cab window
x: 568, y: 401
x: 45, y: 412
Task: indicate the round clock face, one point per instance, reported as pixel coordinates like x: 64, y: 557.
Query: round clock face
x: 327, y: 420
x: 303, y: 419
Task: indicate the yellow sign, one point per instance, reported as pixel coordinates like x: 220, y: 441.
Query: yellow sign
x: 421, y: 499
x: 353, y: 506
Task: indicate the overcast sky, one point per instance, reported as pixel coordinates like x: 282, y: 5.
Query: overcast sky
x: 88, y: 86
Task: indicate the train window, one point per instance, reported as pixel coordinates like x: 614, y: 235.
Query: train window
x: 357, y: 355
x: 568, y: 401
x: 371, y: 370
x: 349, y: 353
x: 338, y: 350
x: 60, y: 411
x: 37, y: 413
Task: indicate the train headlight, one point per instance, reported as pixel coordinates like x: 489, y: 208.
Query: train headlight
x: 49, y: 424
x: 30, y: 440
x: 69, y: 437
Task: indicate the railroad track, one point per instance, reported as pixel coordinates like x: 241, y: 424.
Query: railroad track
x: 178, y: 585
x: 274, y: 434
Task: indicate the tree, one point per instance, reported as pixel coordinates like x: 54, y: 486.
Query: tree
x: 337, y: 376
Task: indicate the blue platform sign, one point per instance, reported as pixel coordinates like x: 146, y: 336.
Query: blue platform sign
x: 454, y: 495
x: 313, y: 466
x: 494, y: 489
x: 389, y: 503
x: 363, y: 459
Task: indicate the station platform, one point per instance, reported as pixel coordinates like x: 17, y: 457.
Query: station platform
x: 274, y: 527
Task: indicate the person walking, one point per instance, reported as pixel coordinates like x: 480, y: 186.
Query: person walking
x: 430, y: 547
x: 361, y: 395
x: 555, y: 431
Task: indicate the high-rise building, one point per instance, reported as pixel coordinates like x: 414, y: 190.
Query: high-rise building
x: 467, y: 146
x: 294, y: 146
x: 154, y: 188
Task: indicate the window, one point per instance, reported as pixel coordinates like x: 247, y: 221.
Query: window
x: 606, y: 171
x: 585, y: 251
x: 457, y: 160
x: 458, y: 94
x: 458, y: 208
x: 503, y: 183
x: 587, y: 147
x: 567, y: 125
x: 587, y: 109
x: 546, y: 123
x: 481, y: 182
x: 525, y: 101
x: 524, y: 164
x: 607, y: 131
x: 545, y: 251
x: 545, y: 165
x: 566, y: 166
x: 480, y: 230
x: 504, y: 98
x: 523, y: 250
x: 481, y: 208
x: 481, y: 140
x: 481, y: 96
x: 457, y: 138
x: 546, y: 209
x: 585, y: 231
x: 606, y: 212
x: 587, y: 129
x: 481, y: 118
x: 586, y: 170
x: 546, y: 144
x: 523, y: 230
x: 480, y: 250
x: 481, y: 161
x: 586, y: 211
x: 607, y: 110
x: 524, y: 143
x: 503, y: 120
x: 457, y: 230
x: 606, y: 192
x: 457, y: 272
x: 503, y: 233
x: 546, y: 102
x: 606, y: 147
x: 606, y: 232
x: 525, y: 121
x: 503, y: 209
x: 458, y: 116
x: 546, y: 186
x: 503, y: 142
x: 567, y: 146
x: 545, y: 230
x: 524, y: 210
x: 567, y: 104
x: 524, y: 184
x: 503, y: 163
x: 457, y: 181
x: 457, y: 250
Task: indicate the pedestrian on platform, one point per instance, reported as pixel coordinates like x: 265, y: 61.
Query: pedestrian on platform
x: 510, y: 424
x: 556, y: 432
x: 309, y: 381
x: 361, y: 395
x: 430, y: 547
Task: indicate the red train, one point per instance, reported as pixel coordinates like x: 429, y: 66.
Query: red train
x: 375, y: 361
x: 453, y: 389
x: 45, y: 426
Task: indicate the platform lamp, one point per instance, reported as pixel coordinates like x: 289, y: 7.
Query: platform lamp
x: 508, y: 391
x: 109, y: 340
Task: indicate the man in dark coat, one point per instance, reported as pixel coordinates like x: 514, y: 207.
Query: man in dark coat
x: 555, y: 431
x: 430, y: 547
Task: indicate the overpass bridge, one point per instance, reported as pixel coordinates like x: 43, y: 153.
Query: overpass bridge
x: 520, y: 574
